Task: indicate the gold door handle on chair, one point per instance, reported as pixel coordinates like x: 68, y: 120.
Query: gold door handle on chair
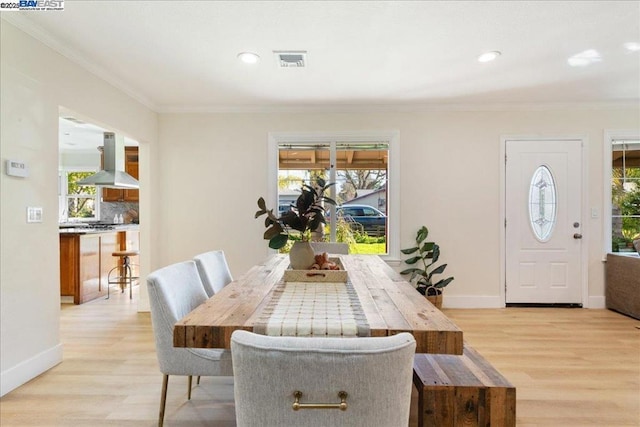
x: 297, y: 405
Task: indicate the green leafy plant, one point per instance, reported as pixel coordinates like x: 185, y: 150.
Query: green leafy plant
x: 305, y: 217
x: 83, y: 206
x: 426, y: 256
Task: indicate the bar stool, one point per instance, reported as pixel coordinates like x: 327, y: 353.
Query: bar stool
x: 122, y: 274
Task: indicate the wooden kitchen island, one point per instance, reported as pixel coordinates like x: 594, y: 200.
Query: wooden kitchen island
x: 86, y: 259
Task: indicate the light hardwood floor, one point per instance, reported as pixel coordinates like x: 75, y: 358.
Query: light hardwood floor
x: 571, y: 367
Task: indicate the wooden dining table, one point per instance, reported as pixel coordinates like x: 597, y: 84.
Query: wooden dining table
x: 390, y: 305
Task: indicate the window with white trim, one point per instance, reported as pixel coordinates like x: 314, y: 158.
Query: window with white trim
x: 363, y: 168
x: 622, y: 194
x: 80, y: 202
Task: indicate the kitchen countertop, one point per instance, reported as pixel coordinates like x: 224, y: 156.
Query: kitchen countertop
x: 83, y: 229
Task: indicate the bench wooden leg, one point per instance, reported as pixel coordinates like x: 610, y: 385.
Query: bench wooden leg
x: 420, y: 407
x: 456, y: 391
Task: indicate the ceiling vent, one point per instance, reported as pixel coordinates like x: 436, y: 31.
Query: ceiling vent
x: 291, y: 59
x: 74, y: 120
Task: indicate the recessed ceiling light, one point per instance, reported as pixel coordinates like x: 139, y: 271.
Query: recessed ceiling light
x: 632, y: 46
x: 489, y: 56
x: 248, y: 57
x: 584, y: 58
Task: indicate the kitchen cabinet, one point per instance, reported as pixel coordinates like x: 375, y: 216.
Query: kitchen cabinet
x: 69, y: 265
x: 86, y: 259
x: 130, y: 167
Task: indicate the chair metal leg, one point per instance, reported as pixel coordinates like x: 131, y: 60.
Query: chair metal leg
x: 163, y: 399
x: 123, y: 274
x: 128, y: 271
x: 198, y: 382
x: 189, y: 390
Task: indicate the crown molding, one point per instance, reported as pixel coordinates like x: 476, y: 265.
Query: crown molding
x: 18, y: 20
x: 399, y: 108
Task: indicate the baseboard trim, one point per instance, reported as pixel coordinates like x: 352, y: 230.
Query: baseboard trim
x: 596, y: 302
x: 544, y: 305
x: 466, y: 301
x: 14, y: 377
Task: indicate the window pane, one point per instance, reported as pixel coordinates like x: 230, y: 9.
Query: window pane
x: 542, y: 203
x: 81, y: 207
x: 625, y: 194
x: 298, y: 165
x: 361, y: 181
x: 73, y: 188
x: 81, y: 199
x: 362, y: 184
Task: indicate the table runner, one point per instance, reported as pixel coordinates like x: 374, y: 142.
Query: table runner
x: 312, y: 309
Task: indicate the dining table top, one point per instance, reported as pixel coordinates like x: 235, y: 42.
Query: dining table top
x: 389, y: 303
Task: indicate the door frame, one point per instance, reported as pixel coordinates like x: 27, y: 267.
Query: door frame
x: 583, y: 210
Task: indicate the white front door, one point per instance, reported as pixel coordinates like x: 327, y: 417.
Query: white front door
x: 543, y: 245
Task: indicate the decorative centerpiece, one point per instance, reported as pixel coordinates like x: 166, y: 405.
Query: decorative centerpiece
x: 324, y: 269
x: 305, y: 217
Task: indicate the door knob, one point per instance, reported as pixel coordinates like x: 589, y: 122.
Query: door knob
x: 577, y: 236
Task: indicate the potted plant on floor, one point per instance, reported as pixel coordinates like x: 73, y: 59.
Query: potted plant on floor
x: 305, y: 217
x: 425, y: 255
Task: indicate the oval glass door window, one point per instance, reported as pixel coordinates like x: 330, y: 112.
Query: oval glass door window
x: 542, y: 203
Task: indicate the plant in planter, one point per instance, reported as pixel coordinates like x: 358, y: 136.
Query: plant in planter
x: 305, y: 217
x: 426, y: 256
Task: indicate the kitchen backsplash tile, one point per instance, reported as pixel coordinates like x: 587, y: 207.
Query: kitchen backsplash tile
x: 128, y: 210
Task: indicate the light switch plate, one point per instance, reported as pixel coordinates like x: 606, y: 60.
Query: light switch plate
x: 34, y: 214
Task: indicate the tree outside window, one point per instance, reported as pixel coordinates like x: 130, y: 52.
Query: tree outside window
x: 81, y: 199
x: 625, y: 194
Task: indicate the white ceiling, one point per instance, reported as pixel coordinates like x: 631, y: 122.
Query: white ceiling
x: 77, y: 136
x: 181, y: 55
x: 361, y: 55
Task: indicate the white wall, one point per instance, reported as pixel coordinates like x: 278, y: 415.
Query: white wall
x: 201, y: 175
x: 215, y: 169
x: 35, y: 83
x: 81, y: 159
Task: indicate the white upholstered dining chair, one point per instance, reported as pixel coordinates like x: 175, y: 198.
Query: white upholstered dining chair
x: 173, y: 292
x: 214, y: 271
x: 370, y: 377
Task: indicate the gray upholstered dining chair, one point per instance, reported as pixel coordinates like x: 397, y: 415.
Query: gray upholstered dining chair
x: 370, y: 377
x: 214, y: 271
x: 173, y: 292
x: 331, y: 248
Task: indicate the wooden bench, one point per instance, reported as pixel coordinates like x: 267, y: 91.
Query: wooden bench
x: 462, y: 390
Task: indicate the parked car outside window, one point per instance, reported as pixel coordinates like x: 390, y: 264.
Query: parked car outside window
x: 283, y: 208
x: 372, y: 220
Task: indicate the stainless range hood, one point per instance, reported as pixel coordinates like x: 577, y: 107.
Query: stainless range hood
x: 113, y: 175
